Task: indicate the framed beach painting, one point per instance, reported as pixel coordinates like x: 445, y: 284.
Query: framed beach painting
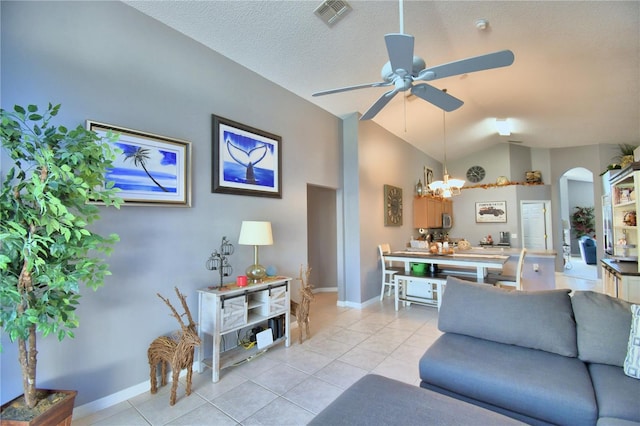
x: 246, y: 161
x: 152, y: 170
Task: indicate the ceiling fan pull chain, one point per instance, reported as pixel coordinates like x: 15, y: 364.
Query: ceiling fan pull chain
x: 404, y: 104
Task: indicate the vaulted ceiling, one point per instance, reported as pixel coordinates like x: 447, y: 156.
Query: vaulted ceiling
x: 575, y: 80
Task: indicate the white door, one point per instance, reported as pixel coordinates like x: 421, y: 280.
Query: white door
x: 536, y: 224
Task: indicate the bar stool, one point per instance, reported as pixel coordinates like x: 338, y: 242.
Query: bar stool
x: 388, y: 270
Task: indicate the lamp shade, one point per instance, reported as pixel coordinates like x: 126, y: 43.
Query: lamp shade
x: 255, y: 233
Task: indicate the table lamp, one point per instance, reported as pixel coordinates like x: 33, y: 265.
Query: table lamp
x: 255, y: 233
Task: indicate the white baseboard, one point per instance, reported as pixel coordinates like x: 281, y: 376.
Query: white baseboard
x: 110, y: 400
x: 120, y: 396
x: 347, y: 304
x: 326, y: 290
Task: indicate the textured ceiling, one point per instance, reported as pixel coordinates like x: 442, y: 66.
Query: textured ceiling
x: 575, y: 80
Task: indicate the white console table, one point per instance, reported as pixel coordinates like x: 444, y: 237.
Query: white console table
x: 228, y: 309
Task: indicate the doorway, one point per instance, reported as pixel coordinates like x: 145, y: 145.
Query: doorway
x: 576, y: 190
x: 322, y: 237
x: 535, y: 218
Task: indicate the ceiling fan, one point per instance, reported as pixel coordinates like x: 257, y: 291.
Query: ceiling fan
x: 403, y: 69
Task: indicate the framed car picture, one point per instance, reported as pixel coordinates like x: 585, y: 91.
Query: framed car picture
x: 491, y: 212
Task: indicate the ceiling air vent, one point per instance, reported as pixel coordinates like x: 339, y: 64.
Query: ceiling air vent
x: 331, y: 11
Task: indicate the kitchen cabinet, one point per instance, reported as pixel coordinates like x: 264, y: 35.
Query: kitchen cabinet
x: 427, y: 211
x: 621, y: 280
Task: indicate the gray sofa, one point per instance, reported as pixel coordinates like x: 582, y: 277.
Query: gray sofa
x: 539, y: 357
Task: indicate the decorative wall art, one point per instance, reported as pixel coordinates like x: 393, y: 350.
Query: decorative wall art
x: 491, y: 212
x: 428, y: 179
x: 152, y: 169
x: 392, y: 206
x: 246, y: 161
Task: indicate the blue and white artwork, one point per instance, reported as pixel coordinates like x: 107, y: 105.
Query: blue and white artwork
x: 248, y: 161
x: 145, y: 169
x: 150, y: 169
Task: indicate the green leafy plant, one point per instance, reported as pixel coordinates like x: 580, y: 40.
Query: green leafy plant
x: 46, y: 246
x: 583, y: 221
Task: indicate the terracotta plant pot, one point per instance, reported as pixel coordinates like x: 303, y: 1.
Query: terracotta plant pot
x: 57, y: 415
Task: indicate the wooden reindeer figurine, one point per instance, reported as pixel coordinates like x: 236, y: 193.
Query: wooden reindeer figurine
x: 176, y: 351
x: 301, y: 310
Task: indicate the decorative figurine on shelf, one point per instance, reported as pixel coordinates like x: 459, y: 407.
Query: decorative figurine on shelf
x: 630, y: 218
x: 218, y: 261
x: 489, y: 240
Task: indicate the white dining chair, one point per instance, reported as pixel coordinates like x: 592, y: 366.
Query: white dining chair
x: 388, y: 270
x: 517, y: 284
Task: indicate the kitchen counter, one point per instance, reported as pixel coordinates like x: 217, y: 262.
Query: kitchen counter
x: 623, y: 268
x: 621, y: 280
x: 496, y: 250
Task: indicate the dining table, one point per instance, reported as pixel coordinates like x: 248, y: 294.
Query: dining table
x: 480, y: 263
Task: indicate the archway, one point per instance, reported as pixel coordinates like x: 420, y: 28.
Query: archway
x: 576, y: 190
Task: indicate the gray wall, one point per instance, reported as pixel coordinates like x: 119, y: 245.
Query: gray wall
x: 108, y: 62
x: 384, y: 159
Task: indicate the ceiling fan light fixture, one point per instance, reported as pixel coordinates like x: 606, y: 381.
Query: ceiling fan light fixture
x: 446, y: 187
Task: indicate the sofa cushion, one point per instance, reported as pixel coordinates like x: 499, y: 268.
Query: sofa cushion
x: 632, y: 361
x: 538, y: 320
x: 602, y: 324
x: 617, y: 394
x: 537, y: 384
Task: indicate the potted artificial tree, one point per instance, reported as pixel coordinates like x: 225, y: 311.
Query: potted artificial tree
x: 583, y: 221
x: 46, y: 247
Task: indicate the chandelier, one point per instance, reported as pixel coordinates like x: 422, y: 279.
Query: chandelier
x: 446, y: 187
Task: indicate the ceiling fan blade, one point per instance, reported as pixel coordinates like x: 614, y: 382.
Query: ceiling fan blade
x: 477, y: 63
x: 357, y: 86
x: 400, y: 50
x: 379, y: 104
x: 438, y: 97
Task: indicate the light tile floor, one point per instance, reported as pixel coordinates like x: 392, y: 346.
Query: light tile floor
x: 289, y: 386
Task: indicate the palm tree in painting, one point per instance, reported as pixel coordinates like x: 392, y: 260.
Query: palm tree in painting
x: 140, y: 157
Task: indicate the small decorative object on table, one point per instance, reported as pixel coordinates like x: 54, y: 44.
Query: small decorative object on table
x: 175, y: 351
x: 218, y: 261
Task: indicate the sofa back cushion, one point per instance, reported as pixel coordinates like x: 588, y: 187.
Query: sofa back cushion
x: 538, y: 320
x: 603, y: 325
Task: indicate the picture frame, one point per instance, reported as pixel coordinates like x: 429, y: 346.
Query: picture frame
x: 246, y: 160
x: 153, y: 170
x: 428, y: 178
x: 491, y: 212
x: 392, y: 206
